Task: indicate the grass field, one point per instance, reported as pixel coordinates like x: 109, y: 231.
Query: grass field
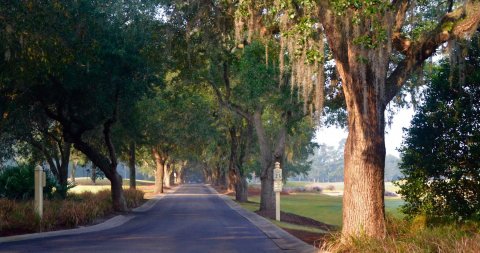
x: 338, y: 186
x: 84, y: 184
x: 327, y: 209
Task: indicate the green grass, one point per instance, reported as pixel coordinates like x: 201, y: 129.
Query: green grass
x: 297, y: 227
x: 324, y: 208
x: 338, y: 185
x: 253, y: 206
x: 85, y: 184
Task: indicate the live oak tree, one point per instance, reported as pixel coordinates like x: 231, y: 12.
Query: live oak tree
x: 81, y: 63
x: 377, y: 47
x: 244, y: 81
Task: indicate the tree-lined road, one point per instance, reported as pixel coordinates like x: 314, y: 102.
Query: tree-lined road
x: 190, y: 220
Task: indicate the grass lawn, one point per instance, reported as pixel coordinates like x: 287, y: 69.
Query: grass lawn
x: 84, y: 184
x: 324, y: 208
x: 338, y: 186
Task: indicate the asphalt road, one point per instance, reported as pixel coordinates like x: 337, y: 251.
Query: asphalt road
x: 190, y: 220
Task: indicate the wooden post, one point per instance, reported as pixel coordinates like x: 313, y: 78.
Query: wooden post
x: 39, y: 184
x: 277, y: 188
x: 277, y: 206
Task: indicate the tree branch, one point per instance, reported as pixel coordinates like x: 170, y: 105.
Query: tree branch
x: 400, y: 42
x: 228, y: 104
x: 454, y: 25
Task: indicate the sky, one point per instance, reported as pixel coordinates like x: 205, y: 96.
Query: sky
x: 393, y: 136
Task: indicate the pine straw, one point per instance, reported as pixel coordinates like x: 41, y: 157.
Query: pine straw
x: 18, y: 217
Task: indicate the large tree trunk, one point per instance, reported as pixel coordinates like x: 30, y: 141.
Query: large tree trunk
x: 267, y: 195
x: 207, y: 174
x: 131, y: 165
x: 74, y: 169
x: 118, y: 199
x: 235, y: 174
x: 241, y: 189
x: 168, y: 174
x: 219, y: 175
x: 231, y: 180
x: 364, y: 86
x: 267, y: 160
x: 363, y: 198
x: 363, y: 67
x: 94, y: 174
x: 223, y: 178
x: 63, y: 169
x: 179, y: 171
x: 159, y: 172
x: 109, y: 167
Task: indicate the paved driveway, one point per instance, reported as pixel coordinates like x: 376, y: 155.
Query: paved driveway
x: 190, y: 220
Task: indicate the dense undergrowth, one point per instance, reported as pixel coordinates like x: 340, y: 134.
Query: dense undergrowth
x: 413, y: 236
x: 18, y: 217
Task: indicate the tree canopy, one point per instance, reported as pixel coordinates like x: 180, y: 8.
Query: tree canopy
x: 441, y: 150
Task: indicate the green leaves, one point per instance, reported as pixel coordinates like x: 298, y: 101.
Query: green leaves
x: 441, y: 152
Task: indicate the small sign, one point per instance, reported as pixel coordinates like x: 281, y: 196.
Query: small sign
x: 277, y: 186
x: 277, y: 172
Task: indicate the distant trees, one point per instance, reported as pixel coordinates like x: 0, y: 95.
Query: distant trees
x: 441, y: 152
x: 244, y: 80
x: 327, y: 164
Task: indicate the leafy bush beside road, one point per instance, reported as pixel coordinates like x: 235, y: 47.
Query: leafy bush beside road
x: 17, y: 182
x: 18, y: 217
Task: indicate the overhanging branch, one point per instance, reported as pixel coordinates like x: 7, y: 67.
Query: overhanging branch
x: 458, y: 24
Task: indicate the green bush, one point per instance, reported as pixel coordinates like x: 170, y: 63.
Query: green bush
x: 18, y: 217
x: 441, y: 149
x: 17, y: 182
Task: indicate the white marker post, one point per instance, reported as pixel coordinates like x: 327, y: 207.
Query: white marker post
x: 40, y: 181
x: 277, y: 188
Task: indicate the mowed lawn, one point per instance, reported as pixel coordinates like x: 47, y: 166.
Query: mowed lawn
x: 337, y: 186
x: 84, y: 184
x: 321, y: 207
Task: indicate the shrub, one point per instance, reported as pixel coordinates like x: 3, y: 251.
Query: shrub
x: 18, y: 217
x: 441, y: 149
x: 17, y: 182
x: 313, y: 189
x: 390, y: 194
x: 299, y: 189
x: 330, y: 187
x: 133, y: 197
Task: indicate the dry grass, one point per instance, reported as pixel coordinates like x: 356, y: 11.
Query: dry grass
x: 18, y: 217
x: 405, y: 236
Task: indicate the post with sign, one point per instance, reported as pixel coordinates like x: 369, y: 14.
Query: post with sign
x: 40, y: 180
x: 277, y: 188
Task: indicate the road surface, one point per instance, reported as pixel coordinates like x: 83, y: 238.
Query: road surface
x: 190, y: 220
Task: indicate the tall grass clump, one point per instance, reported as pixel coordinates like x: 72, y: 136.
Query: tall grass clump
x: 18, y: 217
x: 412, y: 236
